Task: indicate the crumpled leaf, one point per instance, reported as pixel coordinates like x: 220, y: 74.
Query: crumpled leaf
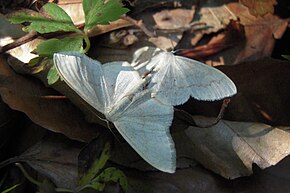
x: 230, y: 148
x: 261, y: 7
x: 99, y: 12
x: 51, y: 19
x: 258, y: 30
x: 43, y: 105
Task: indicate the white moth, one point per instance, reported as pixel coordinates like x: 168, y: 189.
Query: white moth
x: 176, y: 78
x: 112, y: 89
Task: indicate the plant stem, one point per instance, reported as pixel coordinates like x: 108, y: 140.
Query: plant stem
x: 87, y: 41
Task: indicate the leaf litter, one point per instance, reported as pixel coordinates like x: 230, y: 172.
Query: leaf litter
x: 244, y: 145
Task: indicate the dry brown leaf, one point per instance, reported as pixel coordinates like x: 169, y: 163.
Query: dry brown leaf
x: 43, y: 105
x: 261, y: 7
x: 176, y: 19
x: 23, y: 52
x: 216, y: 17
x: 230, y: 148
x: 74, y: 9
x: 258, y: 30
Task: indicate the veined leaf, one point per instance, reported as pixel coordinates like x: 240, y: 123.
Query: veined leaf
x: 98, y: 12
x: 51, y: 19
x: 54, y: 45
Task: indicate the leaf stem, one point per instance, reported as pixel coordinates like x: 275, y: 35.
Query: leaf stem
x: 27, y: 175
x: 87, y: 41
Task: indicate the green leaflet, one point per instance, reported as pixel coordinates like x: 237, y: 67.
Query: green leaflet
x: 52, y: 75
x: 97, y: 180
x: 51, y: 46
x: 110, y: 174
x: 98, y: 12
x: 286, y: 57
x: 51, y: 19
x: 96, y: 166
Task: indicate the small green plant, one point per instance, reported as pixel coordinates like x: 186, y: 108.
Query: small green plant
x: 52, y: 18
x: 8, y: 189
x: 286, y: 57
x: 97, y: 177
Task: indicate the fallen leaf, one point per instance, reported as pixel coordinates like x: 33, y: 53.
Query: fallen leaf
x: 24, y: 52
x: 271, y: 180
x: 56, y: 158
x: 262, y: 93
x: 74, y: 9
x: 232, y: 35
x: 215, y: 16
x: 175, y: 19
x: 43, y: 105
x: 230, y: 148
x: 261, y: 7
x: 258, y: 30
x: 194, y: 179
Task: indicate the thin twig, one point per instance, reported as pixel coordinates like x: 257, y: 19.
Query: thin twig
x: 220, y: 115
x: 140, y: 24
x: 24, y: 39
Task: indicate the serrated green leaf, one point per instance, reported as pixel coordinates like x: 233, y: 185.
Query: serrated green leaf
x: 98, y: 12
x: 51, y: 46
x: 96, y: 166
x: 286, y: 57
x: 51, y: 19
x: 52, y: 75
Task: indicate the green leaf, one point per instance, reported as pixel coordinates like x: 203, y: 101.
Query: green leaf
x: 110, y: 175
x: 96, y: 166
x: 51, y: 46
x: 51, y: 19
x: 286, y: 57
x: 52, y: 75
x: 98, y: 12
x: 10, y: 189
